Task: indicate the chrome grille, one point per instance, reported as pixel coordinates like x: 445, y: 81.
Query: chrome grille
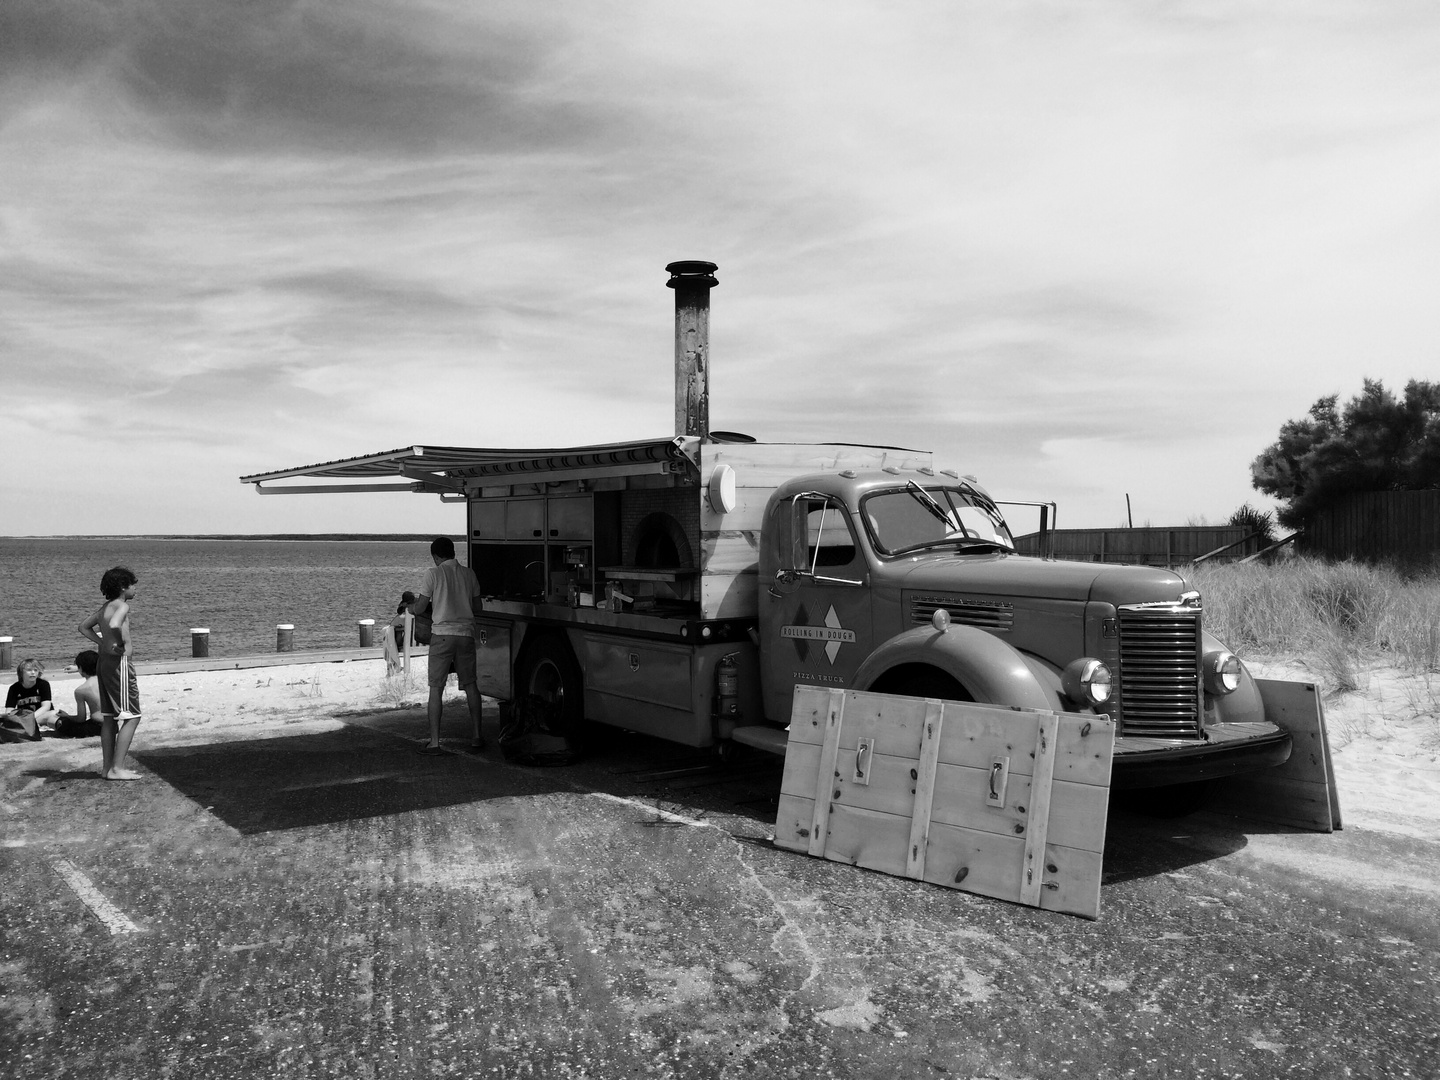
x: 986, y: 614
x: 1160, y: 671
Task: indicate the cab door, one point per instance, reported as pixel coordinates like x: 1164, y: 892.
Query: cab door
x: 815, y: 617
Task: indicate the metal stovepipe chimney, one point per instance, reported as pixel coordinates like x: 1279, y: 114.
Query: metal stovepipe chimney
x: 692, y: 281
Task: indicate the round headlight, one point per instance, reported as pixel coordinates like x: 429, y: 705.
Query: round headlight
x: 1222, y: 672
x: 940, y: 620
x: 1086, y: 682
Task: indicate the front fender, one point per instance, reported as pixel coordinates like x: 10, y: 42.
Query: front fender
x: 1243, y: 705
x: 991, y: 670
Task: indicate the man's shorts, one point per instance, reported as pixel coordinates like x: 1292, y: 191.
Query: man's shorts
x: 119, y: 693
x: 452, y: 652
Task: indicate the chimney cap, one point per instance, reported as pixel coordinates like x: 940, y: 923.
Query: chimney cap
x: 691, y: 272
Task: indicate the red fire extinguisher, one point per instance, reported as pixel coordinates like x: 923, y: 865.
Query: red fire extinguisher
x: 727, y: 686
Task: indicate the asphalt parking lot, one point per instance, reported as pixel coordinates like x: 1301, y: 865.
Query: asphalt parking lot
x: 328, y: 903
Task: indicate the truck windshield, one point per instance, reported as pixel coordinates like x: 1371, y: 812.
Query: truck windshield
x: 912, y: 518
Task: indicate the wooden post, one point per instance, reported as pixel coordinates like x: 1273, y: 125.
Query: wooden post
x: 692, y: 281
x: 199, y: 641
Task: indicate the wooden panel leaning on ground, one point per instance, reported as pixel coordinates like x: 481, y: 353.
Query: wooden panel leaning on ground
x: 1300, y: 793
x: 1003, y: 802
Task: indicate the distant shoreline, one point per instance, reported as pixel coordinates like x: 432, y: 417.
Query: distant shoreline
x: 331, y: 537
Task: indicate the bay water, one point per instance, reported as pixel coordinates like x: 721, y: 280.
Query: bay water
x: 239, y: 589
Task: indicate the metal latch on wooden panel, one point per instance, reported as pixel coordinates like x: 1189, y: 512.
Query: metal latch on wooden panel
x: 864, y: 759
x: 999, y: 777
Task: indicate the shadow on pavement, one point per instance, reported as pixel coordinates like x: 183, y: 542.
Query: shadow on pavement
x: 294, y: 782
x: 1137, y: 846
x: 57, y: 776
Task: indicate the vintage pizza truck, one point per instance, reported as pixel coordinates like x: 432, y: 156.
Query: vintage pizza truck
x: 684, y: 586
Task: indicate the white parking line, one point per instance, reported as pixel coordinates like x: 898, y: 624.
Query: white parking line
x: 105, y: 911
x: 666, y: 814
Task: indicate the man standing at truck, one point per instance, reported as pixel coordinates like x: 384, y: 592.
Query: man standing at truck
x: 450, y: 595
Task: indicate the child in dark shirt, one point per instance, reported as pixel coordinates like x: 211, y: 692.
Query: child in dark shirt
x: 28, y: 704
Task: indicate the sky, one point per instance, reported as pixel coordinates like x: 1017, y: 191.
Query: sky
x: 1082, y: 250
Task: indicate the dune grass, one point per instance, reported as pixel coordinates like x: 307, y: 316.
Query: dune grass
x: 1340, y: 618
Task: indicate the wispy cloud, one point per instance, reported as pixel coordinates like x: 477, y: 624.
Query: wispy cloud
x: 1081, y: 250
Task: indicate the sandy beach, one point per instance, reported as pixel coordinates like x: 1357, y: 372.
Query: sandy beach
x: 1385, y: 743
x: 1385, y: 739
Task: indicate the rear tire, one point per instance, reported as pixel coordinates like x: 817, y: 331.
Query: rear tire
x: 549, y: 672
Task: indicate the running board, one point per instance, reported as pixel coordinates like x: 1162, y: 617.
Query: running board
x: 763, y: 737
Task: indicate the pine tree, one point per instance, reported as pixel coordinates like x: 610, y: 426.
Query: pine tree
x: 1376, y: 443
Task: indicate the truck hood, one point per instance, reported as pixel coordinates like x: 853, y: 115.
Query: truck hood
x: 1017, y: 575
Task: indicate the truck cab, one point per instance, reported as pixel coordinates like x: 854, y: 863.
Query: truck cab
x: 906, y: 581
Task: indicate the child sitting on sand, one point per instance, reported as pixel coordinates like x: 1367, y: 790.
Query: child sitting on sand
x: 27, y: 705
x: 84, y: 723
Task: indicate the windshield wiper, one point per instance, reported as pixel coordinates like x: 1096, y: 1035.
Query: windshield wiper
x: 925, y: 499
x: 976, y: 541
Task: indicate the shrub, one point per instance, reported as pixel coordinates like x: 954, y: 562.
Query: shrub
x: 1255, y: 521
x: 1339, y: 617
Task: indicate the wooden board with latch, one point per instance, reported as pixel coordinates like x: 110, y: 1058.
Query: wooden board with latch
x: 1003, y: 802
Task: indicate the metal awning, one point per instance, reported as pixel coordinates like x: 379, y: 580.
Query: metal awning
x: 453, y: 469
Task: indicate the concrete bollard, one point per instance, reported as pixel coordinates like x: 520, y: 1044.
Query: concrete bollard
x: 199, y: 641
x: 367, y: 633
x: 7, y: 653
x: 285, y: 637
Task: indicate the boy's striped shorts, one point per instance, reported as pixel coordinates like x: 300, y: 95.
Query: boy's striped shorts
x: 119, y: 692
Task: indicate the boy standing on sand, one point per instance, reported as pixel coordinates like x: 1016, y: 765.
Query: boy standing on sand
x: 109, y: 628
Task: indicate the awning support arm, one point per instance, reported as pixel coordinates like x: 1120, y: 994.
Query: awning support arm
x: 334, y: 489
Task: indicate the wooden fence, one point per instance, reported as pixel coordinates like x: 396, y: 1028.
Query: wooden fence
x: 1147, y: 546
x: 1373, y: 526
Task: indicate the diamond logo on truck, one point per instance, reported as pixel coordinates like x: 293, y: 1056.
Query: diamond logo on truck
x: 832, y: 633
